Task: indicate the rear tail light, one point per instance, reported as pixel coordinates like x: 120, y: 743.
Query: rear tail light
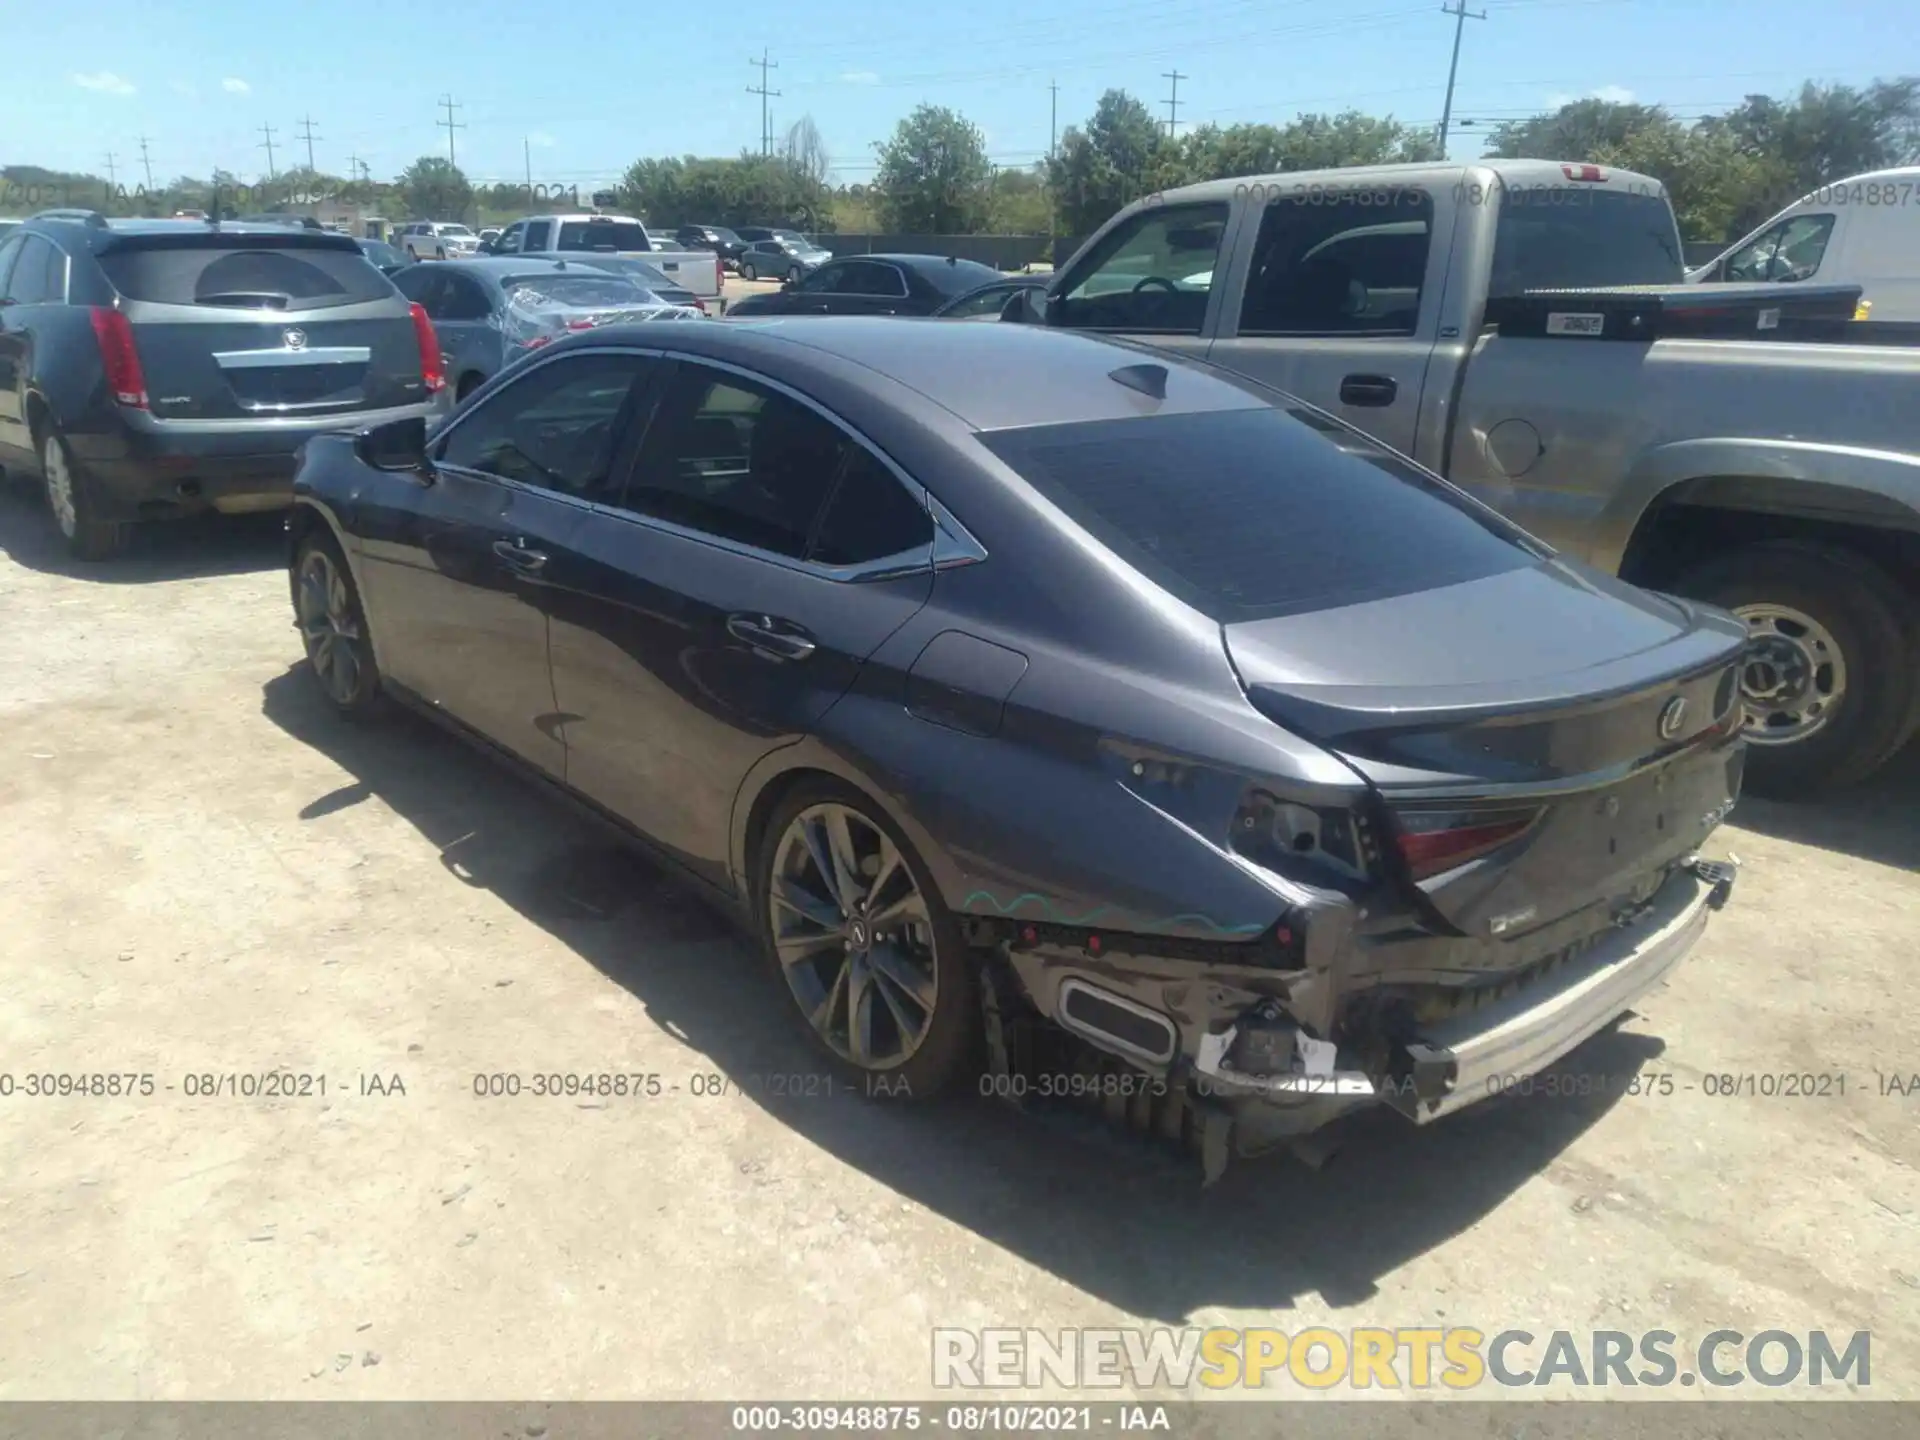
x: 719, y: 276
x: 534, y: 342
x: 1434, y: 842
x: 431, y: 370
x: 119, y: 358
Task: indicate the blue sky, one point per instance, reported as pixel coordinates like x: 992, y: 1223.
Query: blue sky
x: 591, y: 88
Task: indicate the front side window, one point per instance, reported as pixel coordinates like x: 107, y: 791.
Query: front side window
x: 990, y: 301
x: 557, y: 427
x: 1788, y: 252
x: 464, y: 300
x: 509, y: 241
x: 1151, y: 273
x: 1338, y: 268
x: 537, y: 233
x: 736, y: 460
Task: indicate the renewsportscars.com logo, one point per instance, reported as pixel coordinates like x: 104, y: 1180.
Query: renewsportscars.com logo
x: 1408, y: 1358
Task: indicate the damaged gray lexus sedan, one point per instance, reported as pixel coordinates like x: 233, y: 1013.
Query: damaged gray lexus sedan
x: 1061, y: 715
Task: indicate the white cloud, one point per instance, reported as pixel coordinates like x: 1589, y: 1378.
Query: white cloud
x: 236, y: 87
x: 540, y: 140
x: 859, y: 77
x: 1612, y: 94
x: 106, y: 82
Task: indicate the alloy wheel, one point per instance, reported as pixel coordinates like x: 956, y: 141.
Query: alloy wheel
x: 1794, y: 676
x: 53, y: 463
x: 854, y: 936
x: 747, y: 272
x: 328, y: 628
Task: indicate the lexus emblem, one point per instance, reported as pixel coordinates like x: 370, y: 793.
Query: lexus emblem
x: 1672, y: 716
x: 296, y: 339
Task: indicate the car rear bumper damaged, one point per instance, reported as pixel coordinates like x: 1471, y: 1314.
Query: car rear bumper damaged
x: 1222, y: 1041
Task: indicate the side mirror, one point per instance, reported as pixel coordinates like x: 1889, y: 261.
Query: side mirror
x: 397, y: 446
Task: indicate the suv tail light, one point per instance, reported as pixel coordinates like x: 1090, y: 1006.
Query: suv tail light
x: 1437, y: 841
x: 119, y: 358
x: 431, y: 369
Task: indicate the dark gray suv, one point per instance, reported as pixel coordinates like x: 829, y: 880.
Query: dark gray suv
x: 151, y: 369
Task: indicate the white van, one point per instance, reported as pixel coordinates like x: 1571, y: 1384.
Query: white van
x: 1862, y: 231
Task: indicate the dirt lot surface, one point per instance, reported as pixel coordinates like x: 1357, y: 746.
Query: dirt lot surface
x: 202, y: 873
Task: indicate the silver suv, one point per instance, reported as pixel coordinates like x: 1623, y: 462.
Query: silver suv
x: 436, y: 240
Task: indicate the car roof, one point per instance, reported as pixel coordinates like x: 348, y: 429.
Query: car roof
x: 993, y: 377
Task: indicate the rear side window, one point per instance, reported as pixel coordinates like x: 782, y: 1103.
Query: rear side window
x: 736, y: 460
x: 1558, y: 237
x: 287, y: 278
x: 870, y: 517
x: 1350, y: 267
x: 39, y: 274
x: 602, y: 235
x: 1250, y: 514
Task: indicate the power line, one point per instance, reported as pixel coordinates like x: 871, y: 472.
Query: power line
x: 146, y: 164
x: 766, y: 119
x: 449, y: 104
x: 267, y: 145
x: 306, y: 125
x: 1460, y: 15
x: 1173, y: 100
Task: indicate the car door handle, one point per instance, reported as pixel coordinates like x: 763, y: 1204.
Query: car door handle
x: 519, y: 558
x: 771, y: 637
x: 1374, y: 390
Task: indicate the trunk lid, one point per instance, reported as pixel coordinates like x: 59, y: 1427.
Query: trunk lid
x: 247, y: 326
x: 1540, y: 738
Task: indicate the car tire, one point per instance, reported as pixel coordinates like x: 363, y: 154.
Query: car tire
x: 914, y: 988
x: 747, y: 272
x: 1833, y: 685
x: 70, y: 497
x: 333, y: 626
x: 469, y: 383
x: 796, y: 275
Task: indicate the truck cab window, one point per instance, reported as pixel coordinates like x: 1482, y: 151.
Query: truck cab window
x: 1349, y: 267
x: 1152, y: 273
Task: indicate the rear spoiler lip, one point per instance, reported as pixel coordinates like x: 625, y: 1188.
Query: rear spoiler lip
x: 226, y: 237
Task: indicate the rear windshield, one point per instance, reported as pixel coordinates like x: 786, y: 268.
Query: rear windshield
x: 602, y: 235
x: 540, y: 292
x: 282, y: 278
x: 1249, y: 514
x: 1568, y: 237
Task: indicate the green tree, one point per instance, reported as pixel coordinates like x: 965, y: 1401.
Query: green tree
x: 434, y: 189
x: 1018, y: 203
x: 1120, y: 155
x: 753, y: 190
x: 806, y: 152
x: 933, y: 177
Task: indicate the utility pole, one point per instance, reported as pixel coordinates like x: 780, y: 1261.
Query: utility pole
x: 146, y: 164
x: 113, y: 180
x: 267, y: 145
x: 1173, y: 100
x: 1053, y: 119
x: 354, y: 166
x: 526, y: 149
x: 766, y: 119
x: 306, y: 125
x: 449, y: 104
x: 1460, y: 15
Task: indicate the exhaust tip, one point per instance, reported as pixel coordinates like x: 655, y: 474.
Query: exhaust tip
x: 1115, y: 1023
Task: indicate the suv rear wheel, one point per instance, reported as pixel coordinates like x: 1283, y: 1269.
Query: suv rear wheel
x: 70, y: 498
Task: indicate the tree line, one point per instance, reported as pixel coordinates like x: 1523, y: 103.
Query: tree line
x: 933, y: 175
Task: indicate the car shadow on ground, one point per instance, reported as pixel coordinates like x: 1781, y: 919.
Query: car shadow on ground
x: 194, y: 548
x: 1107, y: 1215
x: 1878, y: 820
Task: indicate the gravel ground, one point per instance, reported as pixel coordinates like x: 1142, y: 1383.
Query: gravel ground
x: 203, y: 873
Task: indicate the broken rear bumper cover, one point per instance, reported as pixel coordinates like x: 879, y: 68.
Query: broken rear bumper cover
x: 1242, y: 1055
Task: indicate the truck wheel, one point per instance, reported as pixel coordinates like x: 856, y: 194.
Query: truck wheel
x: 70, y: 498
x: 1832, y: 681
x: 747, y: 272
